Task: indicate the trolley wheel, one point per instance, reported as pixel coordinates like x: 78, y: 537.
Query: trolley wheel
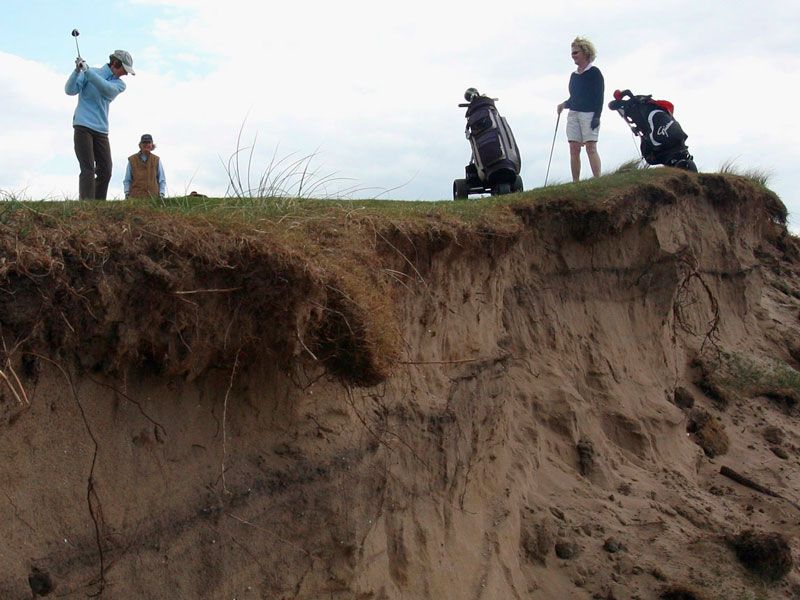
x: 501, y: 189
x: 460, y: 189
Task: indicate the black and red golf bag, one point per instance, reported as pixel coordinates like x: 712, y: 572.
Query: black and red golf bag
x: 663, y: 141
x: 496, y: 162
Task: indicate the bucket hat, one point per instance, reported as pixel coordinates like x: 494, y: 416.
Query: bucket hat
x: 124, y: 57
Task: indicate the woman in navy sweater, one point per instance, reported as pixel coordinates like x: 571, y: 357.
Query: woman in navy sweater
x: 585, y: 103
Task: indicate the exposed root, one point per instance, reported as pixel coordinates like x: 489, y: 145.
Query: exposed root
x: 92, y: 499
x: 685, y: 298
x: 271, y: 533
x: 224, y: 422
x: 302, y: 343
x: 747, y: 482
x: 21, y: 399
x: 138, y: 405
x: 209, y: 291
x: 456, y: 362
x: 379, y: 438
x: 14, y: 384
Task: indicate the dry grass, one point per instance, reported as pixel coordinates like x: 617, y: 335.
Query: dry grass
x: 759, y: 176
x: 631, y: 165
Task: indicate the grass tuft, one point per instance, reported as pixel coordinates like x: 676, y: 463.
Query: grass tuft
x: 633, y: 164
x: 759, y: 176
x: 287, y: 179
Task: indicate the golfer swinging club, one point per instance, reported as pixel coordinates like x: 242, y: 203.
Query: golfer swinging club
x: 95, y: 88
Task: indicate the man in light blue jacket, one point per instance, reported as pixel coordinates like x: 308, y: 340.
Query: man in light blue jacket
x: 95, y: 88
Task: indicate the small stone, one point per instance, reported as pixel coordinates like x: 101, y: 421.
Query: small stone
x: 683, y: 398
x: 40, y: 582
x: 779, y: 452
x: 774, y: 435
x: 566, y: 550
x: 658, y: 574
x: 585, y: 456
x: 668, y: 510
x: 612, y: 546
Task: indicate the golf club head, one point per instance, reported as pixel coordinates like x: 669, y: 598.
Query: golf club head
x: 75, y: 34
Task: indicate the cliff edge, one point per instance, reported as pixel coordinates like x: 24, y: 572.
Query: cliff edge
x: 587, y: 391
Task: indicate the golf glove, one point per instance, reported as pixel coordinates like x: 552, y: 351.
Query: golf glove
x: 81, y: 65
x: 595, y: 122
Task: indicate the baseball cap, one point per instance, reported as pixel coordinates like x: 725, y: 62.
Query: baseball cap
x: 124, y: 57
x: 146, y: 139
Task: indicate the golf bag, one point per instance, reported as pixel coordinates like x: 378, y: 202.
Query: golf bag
x: 495, y: 163
x: 663, y: 139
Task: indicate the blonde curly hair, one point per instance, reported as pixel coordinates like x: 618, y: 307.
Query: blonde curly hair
x: 585, y: 46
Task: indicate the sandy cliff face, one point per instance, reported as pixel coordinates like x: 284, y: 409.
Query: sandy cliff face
x: 551, y: 423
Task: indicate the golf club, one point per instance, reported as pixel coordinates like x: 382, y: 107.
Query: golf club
x: 75, y: 34
x: 551, y: 150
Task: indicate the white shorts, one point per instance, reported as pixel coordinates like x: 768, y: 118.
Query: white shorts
x: 579, y: 127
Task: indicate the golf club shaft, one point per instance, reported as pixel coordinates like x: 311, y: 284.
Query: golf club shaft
x: 75, y: 34
x: 551, y: 150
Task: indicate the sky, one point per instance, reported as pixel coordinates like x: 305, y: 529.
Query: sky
x: 363, y: 96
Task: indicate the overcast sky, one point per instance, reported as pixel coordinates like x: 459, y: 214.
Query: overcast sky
x: 370, y: 89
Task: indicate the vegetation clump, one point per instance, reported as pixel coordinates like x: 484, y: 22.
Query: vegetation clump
x: 729, y: 377
x: 765, y: 554
x: 708, y: 433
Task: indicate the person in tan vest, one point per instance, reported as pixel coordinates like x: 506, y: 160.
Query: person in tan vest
x: 144, y: 177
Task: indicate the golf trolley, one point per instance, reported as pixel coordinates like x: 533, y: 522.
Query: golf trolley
x: 495, y: 163
x: 662, y: 138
